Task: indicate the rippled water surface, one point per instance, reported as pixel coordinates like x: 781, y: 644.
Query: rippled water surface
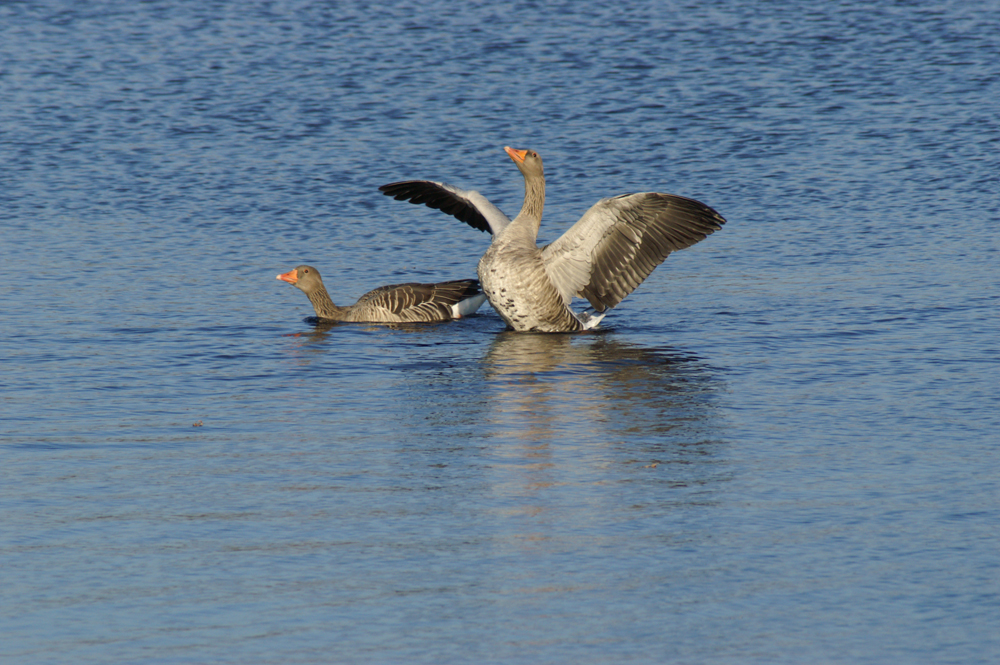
x: 781, y: 448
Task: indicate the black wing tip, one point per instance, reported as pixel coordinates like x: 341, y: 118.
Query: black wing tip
x: 398, y: 183
x: 433, y: 195
x: 403, y: 190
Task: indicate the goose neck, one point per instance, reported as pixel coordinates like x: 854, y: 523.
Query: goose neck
x: 323, y: 305
x: 534, y: 200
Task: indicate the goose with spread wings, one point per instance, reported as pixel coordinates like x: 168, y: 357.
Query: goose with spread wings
x: 603, y: 257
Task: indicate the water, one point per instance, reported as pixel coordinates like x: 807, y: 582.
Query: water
x: 781, y: 448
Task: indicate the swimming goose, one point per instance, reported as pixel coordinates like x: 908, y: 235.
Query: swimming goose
x: 398, y: 303
x: 603, y: 257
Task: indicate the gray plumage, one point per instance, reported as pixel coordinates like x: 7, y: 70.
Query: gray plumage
x: 617, y: 243
x: 397, y: 303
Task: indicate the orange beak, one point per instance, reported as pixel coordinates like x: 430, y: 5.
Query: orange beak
x: 517, y: 155
x: 291, y: 276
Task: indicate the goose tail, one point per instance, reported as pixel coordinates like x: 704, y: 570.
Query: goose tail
x: 468, y: 306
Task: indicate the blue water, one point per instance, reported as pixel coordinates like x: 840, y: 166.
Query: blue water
x: 782, y: 448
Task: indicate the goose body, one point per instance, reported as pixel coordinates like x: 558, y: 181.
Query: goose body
x: 603, y: 257
x: 397, y: 303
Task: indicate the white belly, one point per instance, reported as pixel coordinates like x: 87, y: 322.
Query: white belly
x: 519, y: 290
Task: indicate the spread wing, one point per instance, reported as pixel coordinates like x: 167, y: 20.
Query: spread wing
x: 468, y: 206
x: 620, y: 240
x: 419, y: 302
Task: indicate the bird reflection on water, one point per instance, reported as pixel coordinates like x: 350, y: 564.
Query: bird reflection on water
x: 537, y: 389
x: 321, y: 328
x: 586, y: 429
x: 563, y: 429
x: 594, y: 387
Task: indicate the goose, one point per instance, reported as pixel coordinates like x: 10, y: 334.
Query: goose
x: 603, y: 257
x: 396, y: 303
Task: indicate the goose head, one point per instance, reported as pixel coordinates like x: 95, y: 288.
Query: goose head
x: 303, y: 277
x: 528, y: 162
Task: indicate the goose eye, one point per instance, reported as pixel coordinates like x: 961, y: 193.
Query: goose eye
x: 306, y: 270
